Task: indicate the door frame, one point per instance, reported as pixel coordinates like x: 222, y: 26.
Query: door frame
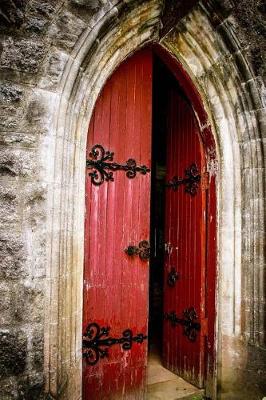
x: 83, y: 79
x: 209, y: 146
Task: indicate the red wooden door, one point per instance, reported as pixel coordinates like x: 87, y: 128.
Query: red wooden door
x: 185, y: 243
x: 117, y: 215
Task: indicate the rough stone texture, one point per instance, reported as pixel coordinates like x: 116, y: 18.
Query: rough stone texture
x: 22, y: 55
x: 48, y: 51
x: 12, y: 256
x: 249, y: 26
x: 11, y: 107
x: 252, y: 31
x: 174, y: 10
x: 23, y: 388
x: 10, y: 93
x: 66, y: 30
x: 92, y: 5
x: 38, y: 16
x: 13, y: 353
x: 53, y: 69
x: 16, y: 162
x: 12, y: 12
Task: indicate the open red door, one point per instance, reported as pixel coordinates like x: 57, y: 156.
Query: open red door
x: 185, y: 243
x: 117, y: 219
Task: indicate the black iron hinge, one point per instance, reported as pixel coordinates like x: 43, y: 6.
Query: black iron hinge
x: 191, y: 180
x: 103, y: 169
x: 189, y: 322
x: 96, y: 341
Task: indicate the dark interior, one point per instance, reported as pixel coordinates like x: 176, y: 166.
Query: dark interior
x: 161, y: 80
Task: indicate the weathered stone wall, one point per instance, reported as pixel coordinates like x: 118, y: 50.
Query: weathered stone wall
x: 41, y: 44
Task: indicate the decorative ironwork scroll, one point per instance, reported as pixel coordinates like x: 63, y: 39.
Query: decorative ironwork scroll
x: 191, y: 180
x: 172, y: 277
x: 191, y: 327
x: 96, y: 341
x: 142, y: 250
x: 103, y: 169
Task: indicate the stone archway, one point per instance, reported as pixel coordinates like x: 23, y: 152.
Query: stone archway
x: 231, y: 101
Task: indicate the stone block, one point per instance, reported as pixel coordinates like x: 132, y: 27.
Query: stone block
x: 35, y: 218
x: 26, y: 387
x: 35, y: 195
x: 20, y: 304
x: 10, y: 117
x: 35, y: 24
x: 12, y: 13
x: 27, y: 206
x: 13, y: 353
x: 27, y: 303
x: 10, y: 93
x: 92, y: 5
x: 66, y: 30
x: 30, y: 387
x: 39, y: 115
x: 45, y: 8
x: 38, y: 348
x: 22, y: 55
x: 260, y: 116
x: 36, y: 111
x: 39, y: 14
x: 11, y: 106
x: 257, y: 93
x: 23, y: 304
x: 13, y: 256
x: 53, y: 69
x: 17, y: 162
x: 91, y: 11
x: 26, y: 139
x: 8, y: 204
x: 5, y: 311
x: 8, y: 388
x: 252, y: 156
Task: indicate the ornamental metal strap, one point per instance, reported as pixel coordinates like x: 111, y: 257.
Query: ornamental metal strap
x: 191, y: 180
x: 191, y: 327
x: 96, y: 341
x: 103, y: 170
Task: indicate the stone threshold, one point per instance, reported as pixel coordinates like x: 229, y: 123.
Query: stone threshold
x: 162, y: 384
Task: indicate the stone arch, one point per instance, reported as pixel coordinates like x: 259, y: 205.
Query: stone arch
x: 212, y: 59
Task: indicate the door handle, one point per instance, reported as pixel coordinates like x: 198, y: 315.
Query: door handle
x: 142, y: 250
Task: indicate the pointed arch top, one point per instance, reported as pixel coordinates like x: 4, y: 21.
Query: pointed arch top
x: 209, y: 65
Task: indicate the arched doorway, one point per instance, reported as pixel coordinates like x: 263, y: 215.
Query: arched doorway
x: 117, y: 229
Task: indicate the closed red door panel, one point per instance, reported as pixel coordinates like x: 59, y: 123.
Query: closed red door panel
x: 117, y: 215
x: 185, y: 244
